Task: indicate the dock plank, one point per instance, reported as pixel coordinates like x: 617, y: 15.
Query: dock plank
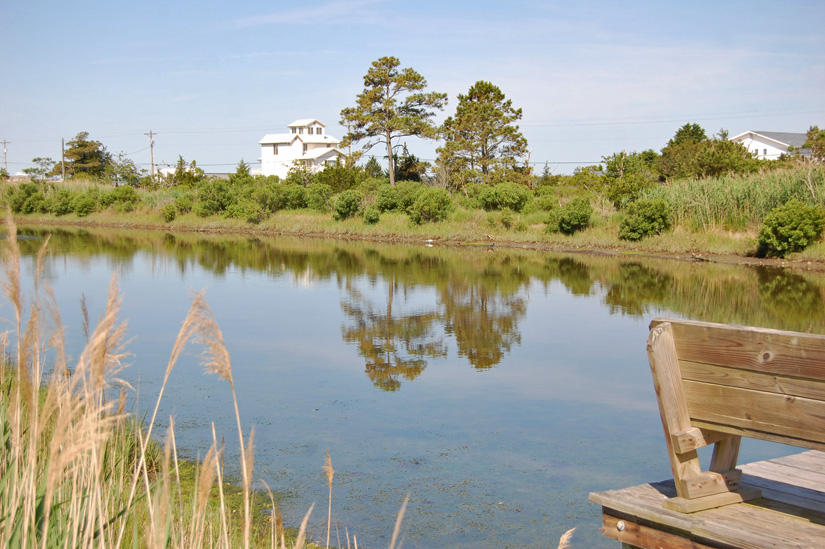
x: 791, y: 513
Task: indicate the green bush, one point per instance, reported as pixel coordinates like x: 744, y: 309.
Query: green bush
x: 35, y: 203
x: 644, y: 218
x: 183, y: 204
x: 19, y: 195
x: 84, y: 204
x: 570, y: 218
x: 347, y: 204
x: 318, y: 195
x: 248, y: 210
x: 292, y: 197
x: 63, y: 202
x: 214, y: 197
x: 432, y: 205
x: 408, y: 192
x: 122, y: 195
x: 169, y: 212
x: 371, y: 215
x: 510, y: 196
x: 386, y: 199
x: 790, y: 228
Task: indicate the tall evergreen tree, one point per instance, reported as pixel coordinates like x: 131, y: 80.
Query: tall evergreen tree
x: 392, y: 106
x: 84, y: 156
x: 481, y: 135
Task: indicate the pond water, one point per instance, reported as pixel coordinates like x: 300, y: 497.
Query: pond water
x: 496, y: 387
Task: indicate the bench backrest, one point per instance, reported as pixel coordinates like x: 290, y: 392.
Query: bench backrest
x: 755, y: 382
x: 716, y: 383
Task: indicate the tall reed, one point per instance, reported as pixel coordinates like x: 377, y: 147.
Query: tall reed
x: 738, y: 202
x: 75, y: 468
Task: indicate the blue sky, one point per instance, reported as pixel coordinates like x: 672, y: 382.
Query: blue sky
x: 212, y: 77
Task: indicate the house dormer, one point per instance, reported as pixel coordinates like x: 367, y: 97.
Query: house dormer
x: 307, y: 126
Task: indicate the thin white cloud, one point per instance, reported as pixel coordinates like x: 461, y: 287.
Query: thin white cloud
x: 329, y: 12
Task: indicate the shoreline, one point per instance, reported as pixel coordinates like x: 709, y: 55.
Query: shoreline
x: 817, y: 265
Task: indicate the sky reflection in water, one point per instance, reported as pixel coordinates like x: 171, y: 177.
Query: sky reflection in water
x: 496, y: 388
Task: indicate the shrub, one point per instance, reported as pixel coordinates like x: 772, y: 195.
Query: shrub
x: 371, y: 215
x: 790, y: 228
x: 511, y: 196
x: 292, y: 197
x: 183, y: 203
x: 347, y: 204
x: 84, y: 204
x: 213, y: 197
x: 645, y: 218
x: 169, y: 212
x: 546, y: 198
x: 386, y: 199
x: 35, y: 203
x: 407, y: 192
x: 570, y: 218
x: 18, y: 196
x: 318, y: 195
x: 432, y: 205
x: 122, y: 195
x: 248, y: 210
x: 63, y: 202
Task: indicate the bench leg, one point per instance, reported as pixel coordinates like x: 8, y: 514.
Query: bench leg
x: 697, y: 490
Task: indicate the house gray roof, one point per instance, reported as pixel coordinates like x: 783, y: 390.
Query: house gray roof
x: 793, y: 139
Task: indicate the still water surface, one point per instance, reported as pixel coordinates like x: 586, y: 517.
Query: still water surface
x: 496, y: 387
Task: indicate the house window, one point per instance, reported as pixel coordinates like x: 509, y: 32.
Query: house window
x: 305, y: 147
x: 765, y: 152
x: 275, y: 149
x: 301, y: 130
x: 319, y: 131
x: 294, y: 130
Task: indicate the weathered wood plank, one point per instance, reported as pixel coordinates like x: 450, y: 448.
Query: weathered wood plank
x: 733, y: 430
x: 667, y: 382
x: 645, y: 537
x: 760, y: 349
x: 685, y: 505
x: 695, y: 438
x: 781, y: 416
x: 757, y: 381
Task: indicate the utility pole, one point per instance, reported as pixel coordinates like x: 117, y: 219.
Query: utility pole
x: 151, y: 135
x: 62, y: 160
x: 5, y: 160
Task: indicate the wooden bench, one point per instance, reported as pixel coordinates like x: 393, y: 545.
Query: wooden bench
x: 717, y: 383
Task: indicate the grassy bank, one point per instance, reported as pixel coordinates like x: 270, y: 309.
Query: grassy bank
x: 720, y: 215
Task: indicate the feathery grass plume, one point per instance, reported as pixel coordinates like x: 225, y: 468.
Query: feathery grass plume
x: 85, y: 312
x: 397, y: 528
x: 273, y: 543
x: 219, y: 474
x: 299, y: 542
x: 216, y: 360
x: 187, y: 331
x: 564, y: 542
x: 330, y: 472
x: 11, y: 269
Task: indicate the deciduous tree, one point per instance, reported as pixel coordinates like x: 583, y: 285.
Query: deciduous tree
x: 392, y: 106
x: 481, y: 135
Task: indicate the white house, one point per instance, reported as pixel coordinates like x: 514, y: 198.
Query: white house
x: 770, y: 145
x: 306, y: 143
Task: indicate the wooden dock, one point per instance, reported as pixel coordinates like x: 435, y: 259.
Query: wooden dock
x: 790, y: 513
